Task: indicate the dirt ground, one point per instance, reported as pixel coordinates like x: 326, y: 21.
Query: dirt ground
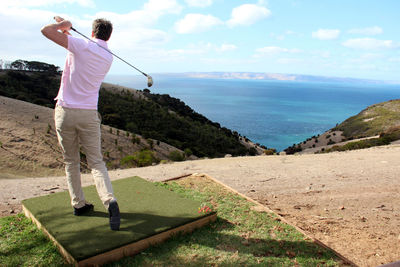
x: 348, y: 200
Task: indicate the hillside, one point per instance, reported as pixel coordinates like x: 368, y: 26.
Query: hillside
x: 378, y: 124
x: 372, y: 121
x: 29, y: 143
x: 159, y: 117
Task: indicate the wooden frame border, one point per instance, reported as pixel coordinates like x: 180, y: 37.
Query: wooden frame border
x: 62, y: 250
x: 127, y: 250
x: 266, y: 209
x: 135, y: 248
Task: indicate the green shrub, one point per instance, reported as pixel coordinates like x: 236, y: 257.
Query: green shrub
x: 176, y: 156
x: 331, y: 142
x: 140, y: 159
x: 150, y: 142
x: 381, y: 141
x: 252, y: 151
x: 269, y: 152
x: 128, y: 161
x: 136, y: 140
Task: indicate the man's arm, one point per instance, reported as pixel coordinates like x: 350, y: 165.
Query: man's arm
x: 51, y: 31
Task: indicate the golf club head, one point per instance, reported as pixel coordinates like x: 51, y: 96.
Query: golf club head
x: 149, y: 81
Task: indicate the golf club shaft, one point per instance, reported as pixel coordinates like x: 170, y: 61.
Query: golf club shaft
x: 72, y: 28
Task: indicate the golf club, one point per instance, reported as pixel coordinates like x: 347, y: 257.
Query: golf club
x: 149, y: 78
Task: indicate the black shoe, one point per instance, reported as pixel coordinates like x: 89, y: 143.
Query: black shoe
x: 115, y: 218
x: 79, y: 211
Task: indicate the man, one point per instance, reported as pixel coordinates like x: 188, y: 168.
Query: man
x: 76, y: 116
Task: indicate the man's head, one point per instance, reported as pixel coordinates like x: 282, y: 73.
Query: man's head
x: 102, y: 29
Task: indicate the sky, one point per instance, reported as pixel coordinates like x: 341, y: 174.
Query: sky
x: 339, y: 38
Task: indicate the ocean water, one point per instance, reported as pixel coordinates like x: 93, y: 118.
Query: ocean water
x: 276, y: 114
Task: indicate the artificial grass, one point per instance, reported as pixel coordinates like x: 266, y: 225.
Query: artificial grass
x: 146, y: 209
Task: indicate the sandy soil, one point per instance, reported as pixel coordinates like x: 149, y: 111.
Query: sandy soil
x: 348, y: 200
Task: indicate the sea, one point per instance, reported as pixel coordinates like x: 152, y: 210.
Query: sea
x: 276, y: 114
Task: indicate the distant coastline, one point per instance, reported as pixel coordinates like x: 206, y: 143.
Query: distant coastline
x: 273, y: 76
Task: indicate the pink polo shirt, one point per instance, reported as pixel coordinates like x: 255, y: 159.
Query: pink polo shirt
x: 85, y: 67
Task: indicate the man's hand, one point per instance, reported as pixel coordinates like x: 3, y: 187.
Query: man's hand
x: 62, y: 22
x: 51, y: 31
x: 58, y: 18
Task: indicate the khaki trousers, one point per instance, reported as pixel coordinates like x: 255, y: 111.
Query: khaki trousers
x: 82, y: 126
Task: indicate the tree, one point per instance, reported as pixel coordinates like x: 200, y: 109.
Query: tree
x: 18, y: 65
x: 7, y: 65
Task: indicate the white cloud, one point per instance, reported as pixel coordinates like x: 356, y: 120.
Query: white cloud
x: 207, y: 47
x: 321, y: 54
x: 365, y: 67
x: 199, y: 3
x: 133, y: 31
x: 370, y: 44
x: 371, y: 56
x: 326, y: 34
x: 289, y: 60
x: 226, y: 48
x: 193, y: 23
x: 368, y: 67
x: 282, y: 36
x: 367, y: 58
x: 124, y: 39
x: 367, y: 31
x: 248, y: 14
x: 163, y: 7
x: 21, y: 38
x: 40, y: 3
x: 132, y: 20
x: 274, y: 50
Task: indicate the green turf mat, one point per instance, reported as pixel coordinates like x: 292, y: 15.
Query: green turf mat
x: 146, y: 210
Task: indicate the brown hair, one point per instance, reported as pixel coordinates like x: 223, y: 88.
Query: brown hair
x: 102, y: 29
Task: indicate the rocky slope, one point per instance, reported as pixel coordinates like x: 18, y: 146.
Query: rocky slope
x: 374, y: 122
